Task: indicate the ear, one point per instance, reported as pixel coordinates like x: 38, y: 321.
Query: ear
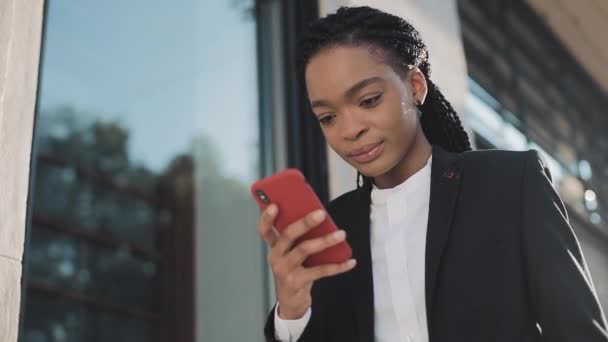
x: 418, y: 85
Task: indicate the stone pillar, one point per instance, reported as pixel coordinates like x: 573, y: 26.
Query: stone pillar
x: 20, y: 34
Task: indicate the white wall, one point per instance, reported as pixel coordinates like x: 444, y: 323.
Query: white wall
x: 20, y: 31
x: 438, y: 23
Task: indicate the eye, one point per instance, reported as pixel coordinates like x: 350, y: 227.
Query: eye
x: 371, y: 102
x: 326, y: 120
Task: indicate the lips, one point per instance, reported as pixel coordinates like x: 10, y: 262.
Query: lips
x: 367, y: 153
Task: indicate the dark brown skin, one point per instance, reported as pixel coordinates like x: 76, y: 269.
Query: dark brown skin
x: 383, y: 111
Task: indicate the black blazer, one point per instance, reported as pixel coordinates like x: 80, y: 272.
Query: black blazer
x: 501, y: 258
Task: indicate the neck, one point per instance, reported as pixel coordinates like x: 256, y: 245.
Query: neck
x: 414, y: 160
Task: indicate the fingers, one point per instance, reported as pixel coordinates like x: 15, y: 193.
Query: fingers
x: 286, y: 262
x: 266, y: 223
x: 307, y: 248
x: 296, y: 230
x: 301, y: 277
x: 315, y: 273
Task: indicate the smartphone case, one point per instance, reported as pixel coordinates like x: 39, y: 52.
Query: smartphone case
x: 295, y: 199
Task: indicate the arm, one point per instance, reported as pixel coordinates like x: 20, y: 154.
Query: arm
x: 295, y: 284
x: 559, y: 283
x: 289, y: 330
x: 305, y: 329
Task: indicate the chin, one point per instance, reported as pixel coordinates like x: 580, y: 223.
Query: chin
x: 373, y: 169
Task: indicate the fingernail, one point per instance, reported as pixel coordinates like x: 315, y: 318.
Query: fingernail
x: 339, y: 235
x: 351, y: 262
x: 318, y: 215
x: 272, y: 210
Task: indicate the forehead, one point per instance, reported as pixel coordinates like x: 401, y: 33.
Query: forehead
x: 335, y: 69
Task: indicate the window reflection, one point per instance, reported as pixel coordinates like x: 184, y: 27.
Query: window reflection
x: 494, y: 129
x: 146, y: 143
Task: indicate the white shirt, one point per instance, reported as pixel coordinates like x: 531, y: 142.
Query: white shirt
x: 399, y: 218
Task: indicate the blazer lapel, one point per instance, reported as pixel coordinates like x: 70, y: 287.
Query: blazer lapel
x: 446, y: 175
x: 361, y: 276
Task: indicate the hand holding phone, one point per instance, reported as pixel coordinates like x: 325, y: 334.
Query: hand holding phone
x: 308, y: 245
x: 295, y: 199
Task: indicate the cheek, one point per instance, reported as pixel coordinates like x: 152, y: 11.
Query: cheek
x: 401, y: 121
x: 331, y: 137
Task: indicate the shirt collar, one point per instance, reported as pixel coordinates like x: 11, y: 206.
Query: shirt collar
x: 414, y: 182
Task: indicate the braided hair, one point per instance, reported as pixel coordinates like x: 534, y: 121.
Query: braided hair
x: 401, y: 45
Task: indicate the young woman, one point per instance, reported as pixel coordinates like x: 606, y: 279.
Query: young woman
x: 450, y: 244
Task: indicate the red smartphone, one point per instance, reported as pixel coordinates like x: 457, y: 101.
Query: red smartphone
x: 295, y: 199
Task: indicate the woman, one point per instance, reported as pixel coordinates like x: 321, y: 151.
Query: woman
x: 448, y: 244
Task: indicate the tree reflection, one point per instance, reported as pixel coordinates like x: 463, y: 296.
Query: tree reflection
x: 245, y: 7
x: 93, y: 249
x: 111, y: 252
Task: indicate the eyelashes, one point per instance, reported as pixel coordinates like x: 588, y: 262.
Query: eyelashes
x: 371, y: 102
x: 367, y: 103
x: 326, y: 120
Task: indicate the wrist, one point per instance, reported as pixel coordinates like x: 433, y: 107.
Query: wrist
x: 291, y: 314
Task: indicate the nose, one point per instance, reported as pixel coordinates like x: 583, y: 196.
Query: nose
x: 353, y: 127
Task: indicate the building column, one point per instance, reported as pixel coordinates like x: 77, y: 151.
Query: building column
x: 20, y: 34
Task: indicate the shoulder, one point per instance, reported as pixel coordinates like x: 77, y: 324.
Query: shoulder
x: 346, y: 201
x: 349, y: 209
x: 493, y: 156
x: 503, y: 161
x: 500, y: 170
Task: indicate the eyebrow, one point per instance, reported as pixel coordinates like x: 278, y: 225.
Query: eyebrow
x: 350, y: 92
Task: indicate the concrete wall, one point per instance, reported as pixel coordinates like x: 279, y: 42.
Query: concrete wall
x: 20, y: 33
x: 438, y: 23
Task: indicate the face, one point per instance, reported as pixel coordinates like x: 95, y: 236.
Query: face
x: 365, y: 108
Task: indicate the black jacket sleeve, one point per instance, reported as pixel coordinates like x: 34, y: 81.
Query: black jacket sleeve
x: 313, y: 330
x: 559, y: 283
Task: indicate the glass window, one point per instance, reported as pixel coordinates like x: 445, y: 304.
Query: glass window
x: 147, y: 140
